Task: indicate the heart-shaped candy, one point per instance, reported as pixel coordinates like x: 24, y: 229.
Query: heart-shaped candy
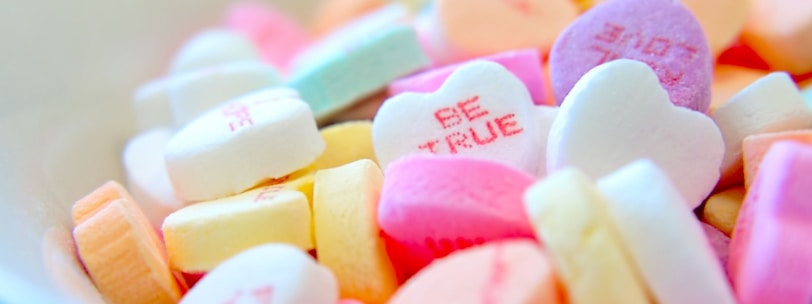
x: 482, y: 110
x: 618, y: 113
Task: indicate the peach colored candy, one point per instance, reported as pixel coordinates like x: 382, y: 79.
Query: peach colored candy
x: 120, y: 249
x: 754, y: 148
x: 510, y: 271
x: 729, y: 80
x: 277, y: 36
x: 477, y: 28
x: 722, y: 209
x: 332, y: 14
x: 526, y: 64
x: 770, y: 104
x: 770, y: 254
x: 780, y: 31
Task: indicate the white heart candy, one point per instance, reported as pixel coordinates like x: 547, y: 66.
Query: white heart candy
x: 617, y: 113
x: 272, y: 273
x: 482, y: 110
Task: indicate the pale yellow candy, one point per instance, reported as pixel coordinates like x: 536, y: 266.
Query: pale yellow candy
x: 729, y: 80
x: 346, y: 143
x: 201, y: 236
x: 571, y: 220
x: 301, y: 181
x: 722, y: 209
x: 347, y: 234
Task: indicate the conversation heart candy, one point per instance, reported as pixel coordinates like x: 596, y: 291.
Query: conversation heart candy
x: 571, y: 220
x: 545, y: 116
x: 120, y: 250
x: 780, y: 31
x: 332, y: 14
x: 213, y: 47
x: 432, y: 205
x: 349, y: 242
x: 151, y: 105
x: 477, y: 28
x: 263, y: 135
x: 770, y: 256
x: 661, y: 33
x: 525, y: 64
x: 663, y: 237
x: 202, y: 235
x: 770, y: 104
x: 482, y: 110
x: 721, y: 209
x: 147, y: 179
x: 64, y: 269
x: 197, y: 92
x: 510, y: 271
x: 618, y: 113
x: 274, y: 273
x: 372, y: 63
x: 277, y: 37
x: 754, y: 148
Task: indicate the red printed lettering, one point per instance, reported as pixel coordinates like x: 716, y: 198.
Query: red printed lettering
x: 470, y: 107
x: 239, y: 112
x: 520, y: 5
x: 507, y: 124
x: 268, y: 193
x: 658, y: 46
x: 479, y: 140
x: 611, y: 34
x: 446, y: 119
x: 233, y: 299
x: 263, y: 295
x: 430, y: 146
x: 455, y: 140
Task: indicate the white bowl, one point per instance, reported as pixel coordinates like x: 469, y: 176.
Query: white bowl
x: 68, y: 70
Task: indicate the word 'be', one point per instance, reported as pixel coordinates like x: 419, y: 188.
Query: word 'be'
x: 239, y: 115
x: 450, y: 118
x: 260, y: 295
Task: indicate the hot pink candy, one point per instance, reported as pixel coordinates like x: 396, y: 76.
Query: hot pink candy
x: 525, y: 64
x: 662, y: 33
x: 433, y: 205
x: 770, y: 254
x: 278, y: 37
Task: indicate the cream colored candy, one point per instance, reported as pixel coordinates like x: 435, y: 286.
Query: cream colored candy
x: 151, y: 105
x: 510, y: 271
x: 754, y: 148
x: 213, y: 47
x: 202, y: 235
x: 146, y: 175
x: 729, y: 80
x: 349, y: 242
x: 771, y: 104
x: 722, y: 209
x: 202, y: 90
x: 346, y: 143
x: 477, y: 28
x: 572, y: 222
x: 274, y: 273
x: 264, y: 135
x: 664, y: 238
x: 780, y: 31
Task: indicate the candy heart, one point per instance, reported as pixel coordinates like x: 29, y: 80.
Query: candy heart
x: 618, y: 113
x: 770, y: 255
x: 213, y: 47
x: 661, y: 33
x: 482, y: 110
x: 663, y: 236
x: 274, y: 273
x: 477, y: 28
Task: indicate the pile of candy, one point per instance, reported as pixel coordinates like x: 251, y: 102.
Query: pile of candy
x: 658, y: 159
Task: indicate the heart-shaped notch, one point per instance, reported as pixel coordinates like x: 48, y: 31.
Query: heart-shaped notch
x: 482, y: 110
x: 618, y: 113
